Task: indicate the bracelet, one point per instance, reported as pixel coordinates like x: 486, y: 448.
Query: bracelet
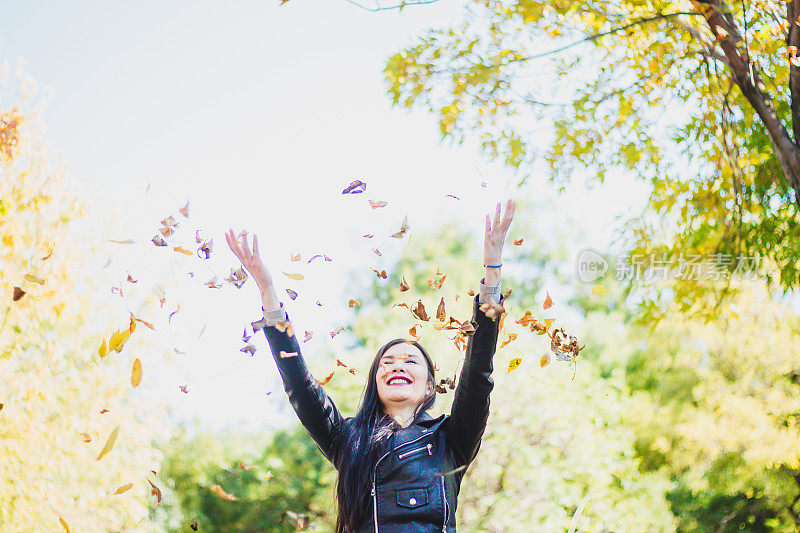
x: 494, y: 266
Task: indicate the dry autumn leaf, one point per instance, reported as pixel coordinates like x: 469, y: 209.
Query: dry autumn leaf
x: 34, y: 279
x: 294, y: 257
x: 354, y: 303
x: 381, y: 274
x: 127, y: 241
x: 184, y: 388
x: 440, y: 313
x: 184, y: 210
x: 337, y: 331
x: 182, y: 250
x: 154, y: 491
x: 63, y: 524
x: 85, y: 437
x: 511, y: 337
x: 545, y: 360
x: 403, y: 229
x: 112, y: 437
x: 518, y: 242
x: 379, y: 203
x: 297, y: 277
x: 418, y: 310
x: 136, y: 372
x: 292, y: 294
x: 327, y: 379
x: 403, y: 285
x: 123, y: 488
x: 308, y: 336
x: 18, y: 294
x: 514, y: 363
x: 355, y: 187
x: 219, y: 491
x: 548, y: 302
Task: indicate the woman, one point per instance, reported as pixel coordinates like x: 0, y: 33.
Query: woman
x: 400, y: 469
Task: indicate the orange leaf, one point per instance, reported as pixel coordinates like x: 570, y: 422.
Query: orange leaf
x: 419, y: 310
x: 545, y: 360
x: 548, y: 302
x: 337, y: 331
x: 35, y: 279
x: 218, y: 490
x: 379, y: 203
x: 85, y: 437
x: 518, y: 242
x: 381, y: 274
x: 354, y: 303
x: 327, y: 379
x: 123, y: 488
x: 154, y: 490
x: 288, y: 354
x: 184, y: 210
x: 183, y: 250
x: 511, y: 337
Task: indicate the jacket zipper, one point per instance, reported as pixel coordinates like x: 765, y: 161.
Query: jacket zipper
x: 446, y: 509
x: 415, y: 450
x: 374, y: 496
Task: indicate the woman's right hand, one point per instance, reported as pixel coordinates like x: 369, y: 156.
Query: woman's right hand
x: 251, y: 261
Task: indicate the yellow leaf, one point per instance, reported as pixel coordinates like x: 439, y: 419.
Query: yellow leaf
x: 136, y: 372
x: 598, y: 289
x: 293, y: 276
x: 123, y: 488
x: 35, y: 279
x: 514, y: 363
x: 109, y: 443
x: 547, y: 322
x: 182, y: 250
x: 64, y: 524
x: 129, y: 241
x: 103, y: 351
x: 545, y: 360
x: 118, y: 340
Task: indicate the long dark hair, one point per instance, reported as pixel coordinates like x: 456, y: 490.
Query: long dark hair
x: 360, y: 445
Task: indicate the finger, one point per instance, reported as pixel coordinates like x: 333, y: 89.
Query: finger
x: 488, y: 228
x: 255, y: 244
x: 496, y: 216
x: 245, y: 247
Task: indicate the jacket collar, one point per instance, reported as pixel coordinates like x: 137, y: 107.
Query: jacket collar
x: 425, y: 420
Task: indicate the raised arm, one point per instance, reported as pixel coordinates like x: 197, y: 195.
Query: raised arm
x: 313, y: 406
x: 470, y: 410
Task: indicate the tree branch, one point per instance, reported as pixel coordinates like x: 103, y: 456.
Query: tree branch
x: 793, y: 42
x: 399, y: 6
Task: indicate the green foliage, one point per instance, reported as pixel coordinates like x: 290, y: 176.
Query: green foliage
x: 637, y: 86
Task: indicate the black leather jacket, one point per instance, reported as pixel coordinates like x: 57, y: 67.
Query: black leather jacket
x: 411, y: 490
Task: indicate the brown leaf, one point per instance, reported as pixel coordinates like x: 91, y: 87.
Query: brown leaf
x: 545, y: 360
x: 381, y: 274
x: 292, y: 294
x: 308, y: 336
x: 245, y: 467
x: 403, y: 285
x: 356, y: 186
x: 154, y: 491
x: 548, y: 302
x: 492, y: 309
x: 18, y: 293
x: 471, y: 293
x: 440, y: 313
x: 511, y: 337
x: 109, y: 443
x: 419, y: 310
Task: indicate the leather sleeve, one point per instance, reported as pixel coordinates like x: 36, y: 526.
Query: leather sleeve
x: 313, y: 406
x: 470, y: 409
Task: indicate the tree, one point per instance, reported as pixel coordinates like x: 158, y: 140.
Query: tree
x: 60, y: 402
x: 700, y: 99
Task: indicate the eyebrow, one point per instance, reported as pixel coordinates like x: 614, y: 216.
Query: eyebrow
x: 392, y: 356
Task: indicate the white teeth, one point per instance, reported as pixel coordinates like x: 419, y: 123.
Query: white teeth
x: 392, y: 380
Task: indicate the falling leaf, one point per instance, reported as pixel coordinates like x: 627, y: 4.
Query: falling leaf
x: 35, y: 279
x: 184, y: 388
x: 419, y: 310
x: 148, y: 324
x: 205, y: 249
x: 179, y: 352
x: 318, y: 255
x: 352, y: 370
x: 403, y: 285
x: 381, y: 274
x: 128, y: 241
x: 308, y: 336
x: 172, y: 313
x: 237, y: 277
x: 118, y: 339
x: 267, y: 475
x: 339, y: 363
x: 452, y: 196
x: 166, y: 232
x: 379, y: 203
x: 492, y: 309
x: 483, y: 184
x: 598, y: 289
x: 123, y: 488
x: 288, y: 354
x: 327, y: 379
x: 511, y: 337
x: 545, y: 360
x: 18, y: 293
x: 440, y: 313
x: 354, y: 303
x: 337, y: 331
x: 249, y: 348
x: 159, y: 241
x: 285, y: 326
x: 103, y: 351
x: 109, y: 443
x: 293, y: 276
x: 104, y: 411
x: 318, y: 303
x: 413, y: 332
x: 245, y: 467
x: 354, y: 185
x: 136, y: 372
x: 154, y: 491
x: 213, y: 283
x: 471, y: 292
x: 377, y: 252
x: 514, y: 363
x: 184, y: 210
x: 547, y: 322
x: 64, y: 524
x: 183, y: 250
x: 85, y: 437
x: 294, y: 257
x: 548, y: 302
x: 218, y: 490
x: 368, y: 235
x: 291, y: 293
x: 45, y: 258
x: 403, y: 229
x: 518, y: 242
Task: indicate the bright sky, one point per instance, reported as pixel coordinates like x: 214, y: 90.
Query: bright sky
x: 259, y: 116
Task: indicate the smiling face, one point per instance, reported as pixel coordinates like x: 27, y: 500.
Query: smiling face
x: 402, y: 376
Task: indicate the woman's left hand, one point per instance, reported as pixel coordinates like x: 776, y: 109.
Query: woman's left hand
x: 496, y: 234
